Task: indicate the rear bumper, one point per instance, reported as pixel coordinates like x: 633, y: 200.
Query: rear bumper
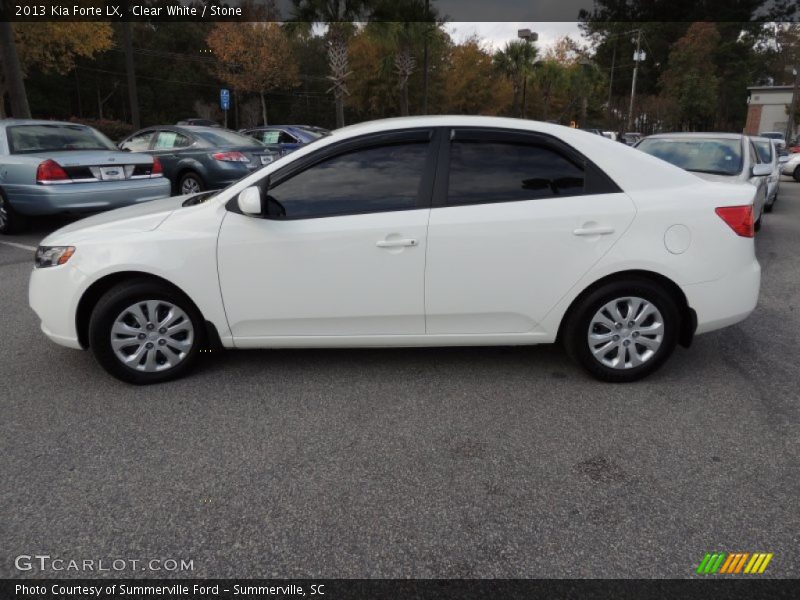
x: 725, y: 301
x: 36, y: 200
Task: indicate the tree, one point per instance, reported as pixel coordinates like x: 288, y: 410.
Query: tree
x: 515, y: 61
x: 691, y: 81
x: 473, y: 85
x: 548, y: 76
x: 46, y: 46
x: 253, y: 57
x: 339, y: 16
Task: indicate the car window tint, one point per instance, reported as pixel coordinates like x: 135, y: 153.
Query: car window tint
x: 270, y: 137
x: 140, y: 142
x: 286, y: 138
x: 504, y: 172
x: 223, y: 137
x: 373, y: 179
x: 764, y: 150
x: 170, y: 139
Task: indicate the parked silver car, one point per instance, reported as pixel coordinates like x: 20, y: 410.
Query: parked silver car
x: 728, y: 157
x: 792, y: 166
x: 769, y: 152
x: 50, y: 167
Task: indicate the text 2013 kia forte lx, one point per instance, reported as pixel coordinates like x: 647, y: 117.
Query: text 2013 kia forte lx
x: 431, y: 231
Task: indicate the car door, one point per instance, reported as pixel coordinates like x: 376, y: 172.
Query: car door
x: 167, y: 146
x: 347, y: 257
x: 760, y: 182
x: 517, y: 220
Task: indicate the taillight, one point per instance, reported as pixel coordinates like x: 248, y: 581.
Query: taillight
x: 230, y: 157
x: 738, y: 218
x: 50, y: 171
x: 157, y: 170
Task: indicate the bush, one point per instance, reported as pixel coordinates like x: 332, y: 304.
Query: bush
x: 116, y: 130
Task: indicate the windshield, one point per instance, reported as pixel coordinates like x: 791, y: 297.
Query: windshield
x: 27, y: 139
x: 221, y: 137
x: 764, y: 151
x: 701, y: 155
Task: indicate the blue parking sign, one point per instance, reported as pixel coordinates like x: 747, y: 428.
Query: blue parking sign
x: 224, y: 99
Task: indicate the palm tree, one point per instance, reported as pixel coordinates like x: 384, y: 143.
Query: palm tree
x: 516, y: 61
x: 339, y: 16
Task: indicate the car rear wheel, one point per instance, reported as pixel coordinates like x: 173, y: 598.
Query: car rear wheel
x: 623, y: 331
x: 10, y: 220
x: 144, y: 332
x: 191, y: 183
x: 796, y: 174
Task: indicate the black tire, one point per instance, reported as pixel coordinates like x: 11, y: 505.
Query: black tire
x: 190, y: 178
x: 113, y: 303
x: 576, y: 329
x: 768, y: 206
x: 757, y: 224
x: 10, y: 220
x: 796, y: 174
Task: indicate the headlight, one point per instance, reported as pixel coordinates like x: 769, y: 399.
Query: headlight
x: 50, y: 256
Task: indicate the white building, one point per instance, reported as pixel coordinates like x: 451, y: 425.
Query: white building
x: 768, y: 108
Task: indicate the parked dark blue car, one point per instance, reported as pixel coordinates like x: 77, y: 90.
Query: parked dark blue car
x: 286, y: 138
x: 200, y: 158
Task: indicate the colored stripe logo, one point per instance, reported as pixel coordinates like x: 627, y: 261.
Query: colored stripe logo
x: 734, y: 563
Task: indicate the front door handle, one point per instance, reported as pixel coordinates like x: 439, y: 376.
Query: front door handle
x: 593, y: 231
x: 396, y: 243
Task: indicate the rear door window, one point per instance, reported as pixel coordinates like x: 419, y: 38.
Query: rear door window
x: 483, y: 171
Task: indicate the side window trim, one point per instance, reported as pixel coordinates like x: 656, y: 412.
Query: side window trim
x: 596, y: 182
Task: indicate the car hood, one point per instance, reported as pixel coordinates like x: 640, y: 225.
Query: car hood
x: 130, y: 219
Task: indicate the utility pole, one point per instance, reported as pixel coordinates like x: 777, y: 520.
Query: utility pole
x: 529, y: 36
x: 13, y: 73
x: 791, y: 123
x: 611, y: 77
x: 636, y: 59
x: 130, y: 69
x: 425, y: 62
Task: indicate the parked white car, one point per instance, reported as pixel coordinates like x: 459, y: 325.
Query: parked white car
x: 428, y: 231
x: 792, y: 166
x: 725, y: 157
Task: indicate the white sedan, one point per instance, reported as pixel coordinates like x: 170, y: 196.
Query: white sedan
x: 429, y: 231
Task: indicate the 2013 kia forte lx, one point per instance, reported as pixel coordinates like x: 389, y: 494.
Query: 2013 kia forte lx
x: 429, y: 231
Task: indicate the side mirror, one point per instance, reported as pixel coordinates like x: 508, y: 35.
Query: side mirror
x: 249, y: 201
x: 783, y: 159
x: 761, y: 170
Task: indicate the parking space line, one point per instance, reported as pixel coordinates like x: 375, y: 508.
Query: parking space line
x: 20, y: 246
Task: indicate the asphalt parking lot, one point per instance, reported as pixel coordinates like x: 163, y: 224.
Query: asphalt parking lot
x: 474, y: 462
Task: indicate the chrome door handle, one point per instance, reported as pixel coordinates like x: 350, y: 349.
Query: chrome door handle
x: 396, y: 243
x: 593, y: 231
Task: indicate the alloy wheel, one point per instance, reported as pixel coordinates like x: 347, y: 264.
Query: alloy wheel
x: 625, y: 332
x: 152, y: 335
x: 190, y: 185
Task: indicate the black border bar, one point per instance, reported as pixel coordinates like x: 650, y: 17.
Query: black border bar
x: 750, y: 588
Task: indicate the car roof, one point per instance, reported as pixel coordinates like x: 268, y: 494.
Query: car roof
x: 700, y: 135
x: 8, y: 122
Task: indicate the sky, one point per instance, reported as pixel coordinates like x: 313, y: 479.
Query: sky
x: 495, y: 35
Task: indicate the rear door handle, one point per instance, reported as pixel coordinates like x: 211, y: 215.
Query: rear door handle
x: 593, y: 231
x: 396, y: 243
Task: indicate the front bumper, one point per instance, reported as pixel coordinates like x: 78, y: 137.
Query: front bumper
x: 36, y: 200
x: 725, y: 301
x: 53, y: 294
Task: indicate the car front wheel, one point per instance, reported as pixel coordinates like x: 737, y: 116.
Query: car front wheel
x: 144, y: 332
x: 623, y: 331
